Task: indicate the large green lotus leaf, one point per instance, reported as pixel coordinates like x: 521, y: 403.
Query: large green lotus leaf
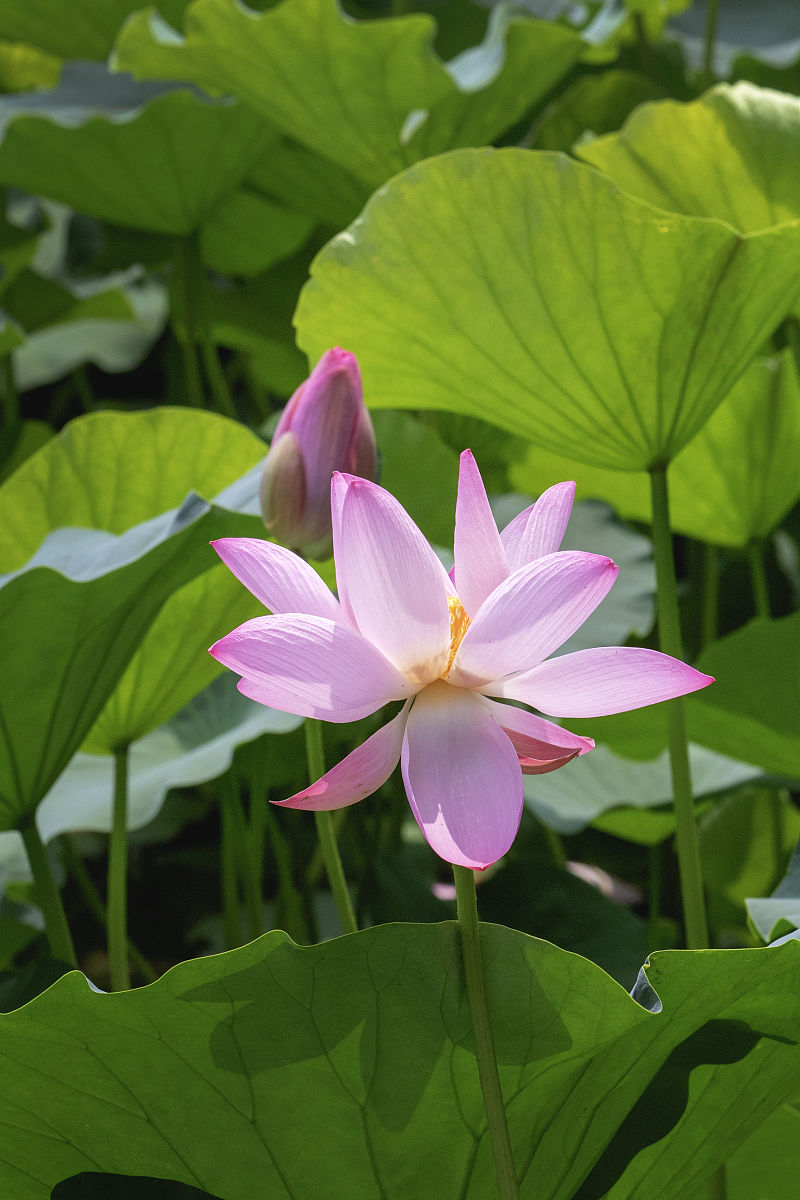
x: 753, y: 710
x: 309, y: 183
x: 69, y: 624
x: 247, y: 233
x: 172, y: 664
x: 81, y: 29
x: 112, y: 470
x: 311, y: 71
x: 157, y: 157
x: 593, y: 104
x: 728, y: 155
x: 348, y: 1069
x: 735, y: 480
x: 768, y: 1160
x: 19, y: 443
x: 526, y: 289
x: 600, y: 782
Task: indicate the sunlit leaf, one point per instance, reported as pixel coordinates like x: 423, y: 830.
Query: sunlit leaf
x: 112, y: 470
x: 422, y: 106
x: 23, y: 67
x: 525, y: 289
x: 728, y: 155
x: 76, y: 613
x: 349, y: 1067
x: 732, y: 484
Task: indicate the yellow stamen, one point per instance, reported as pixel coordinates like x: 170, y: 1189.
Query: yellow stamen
x: 459, y: 624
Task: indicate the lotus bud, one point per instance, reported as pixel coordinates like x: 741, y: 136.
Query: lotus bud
x: 325, y: 427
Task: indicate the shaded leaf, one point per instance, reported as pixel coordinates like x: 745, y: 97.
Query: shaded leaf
x: 247, y: 233
x: 184, y: 150
x: 753, y: 710
x: 84, y: 29
x: 365, y: 1043
x: 574, y: 315
x: 745, y: 843
x: 593, y: 104
x: 90, y: 1185
x: 774, y: 915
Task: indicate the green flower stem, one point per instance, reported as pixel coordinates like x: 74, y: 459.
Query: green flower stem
x: 326, y: 834
x: 76, y: 868
x: 712, y: 18
x: 758, y: 577
x: 201, y: 325
x: 187, y: 331
x: 469, y: 930
x: 48, y: 896
x: 671, y: 642
x: 117, y: 921
x: 243, y: 855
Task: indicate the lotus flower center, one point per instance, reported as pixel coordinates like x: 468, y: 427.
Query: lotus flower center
x: 459, y: 624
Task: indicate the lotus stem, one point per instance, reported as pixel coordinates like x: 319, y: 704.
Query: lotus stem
x: 117, y: 917
x: 186, y: 331
x: 758, y: 578
x: 48, y: 896
x: 469, y: 929
x: 325, y: 832
x: 671, y: 642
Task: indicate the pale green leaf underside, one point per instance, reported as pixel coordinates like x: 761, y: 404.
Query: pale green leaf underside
x: 523, y: 288
x: 337, y: 110
x: 118, y: 152
x: 735, y: 480
x: 730, y: 155
x: 347, y: 1069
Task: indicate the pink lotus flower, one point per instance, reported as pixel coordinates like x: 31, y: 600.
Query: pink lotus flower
x: 325, y: 427
x: 449, y: 649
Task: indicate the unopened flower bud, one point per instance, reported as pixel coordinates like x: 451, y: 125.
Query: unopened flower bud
x: 325, y: 427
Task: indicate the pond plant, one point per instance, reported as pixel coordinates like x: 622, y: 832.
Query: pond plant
x: 265, y: 274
